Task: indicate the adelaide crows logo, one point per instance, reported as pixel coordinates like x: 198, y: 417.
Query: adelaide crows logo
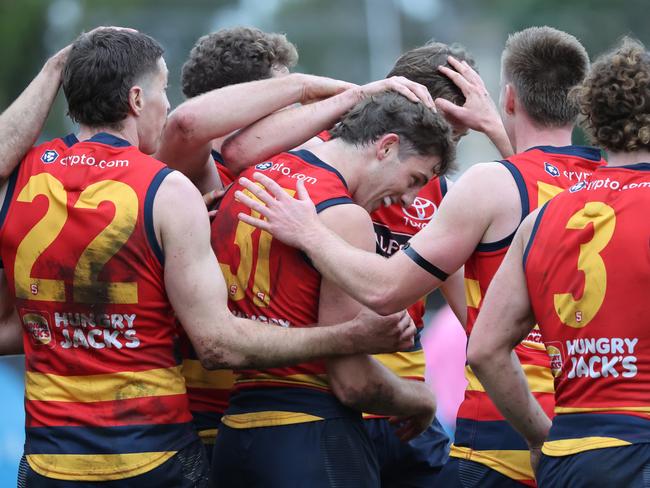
x: 49, y: 156
x: 264, y: 166
x: 551, y: 170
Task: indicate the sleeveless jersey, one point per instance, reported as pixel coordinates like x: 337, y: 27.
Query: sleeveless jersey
x: 104, y: 395
x: 587, y: 268
x: 394, y: 226
x: 482, y: 434
x: 207, y: 390
x: 276, y: 284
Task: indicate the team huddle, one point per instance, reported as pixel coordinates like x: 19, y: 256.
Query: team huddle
x: 267, y: 333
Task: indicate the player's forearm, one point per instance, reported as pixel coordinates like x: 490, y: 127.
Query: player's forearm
x: 453, y: 289
x: 502, y: 376
x: 284, y: 130
x: 22, y: 121
x: 367, y: 277
x: 11, y: 335
x: 496, y: 132
x: 362, y: 383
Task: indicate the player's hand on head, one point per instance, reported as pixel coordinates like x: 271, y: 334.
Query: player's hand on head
x: 479, y: 111
x: 410, y: 89
x: 376, y: 333
x: 291, y: 220
x: 317, y: 88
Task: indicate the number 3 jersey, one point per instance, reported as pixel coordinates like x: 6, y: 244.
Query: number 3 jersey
x: 482, y: 434
x: 587, y: 269
x: 104, y: 396
x: 273, y: 283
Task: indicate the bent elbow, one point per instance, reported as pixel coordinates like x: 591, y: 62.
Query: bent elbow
x: 234, y: 157
x: 180, y: 125
x: 350, y: 394
x: 477, y: 356
x: 383, y: 302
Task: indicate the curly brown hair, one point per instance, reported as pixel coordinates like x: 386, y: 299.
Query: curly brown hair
x: 421, y: 65
x: 235, y: 55
x: 614, y: 99
x: 421, y: 130
x: 544, y: 64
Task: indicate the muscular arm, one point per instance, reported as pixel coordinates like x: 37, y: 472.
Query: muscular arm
x: 360, y: 381
x: 505, y: 319
x: 186, y: 140
x: 384, y: 285
x: 197, y: 292
x: 22, y: 121
x: 287, y: 129
x: 453, y: 289
x: 11, y: 331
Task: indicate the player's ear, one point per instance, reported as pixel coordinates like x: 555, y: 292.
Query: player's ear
x: 386, y: 146
x: 509, y: 99
x: 136, y: 100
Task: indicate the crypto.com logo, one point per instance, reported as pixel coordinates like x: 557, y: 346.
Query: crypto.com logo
x: 421, y: 209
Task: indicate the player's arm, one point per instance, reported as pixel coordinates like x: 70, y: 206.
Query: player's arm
x: 453, y: 289
x: 288, y: 129
x: 186, y: 140
x: 197, y: 291
x: 479, y: 112
x: 11, y: 331
x: 384, y: 285
x: 505, y: 319
x: 359, y: 381
x: 22, y: 121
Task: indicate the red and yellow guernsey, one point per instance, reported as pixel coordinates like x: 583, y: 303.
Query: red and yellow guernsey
x: 104, y: 395
x: 482, y: 434
x: 394, y: 226
x: 276, y: 284
x: 587, y: 269
x: 207, y: 391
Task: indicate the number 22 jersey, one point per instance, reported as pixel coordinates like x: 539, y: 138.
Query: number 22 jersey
x: 104, y: 395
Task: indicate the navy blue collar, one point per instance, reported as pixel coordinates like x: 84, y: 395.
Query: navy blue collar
x: 311, y: 158
x: 635, y: 166
x: 101, y: 137
x: 585, y: 152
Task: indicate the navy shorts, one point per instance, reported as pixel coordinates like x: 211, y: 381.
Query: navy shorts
x: 188, y: 468
x: 626, y: 466
x: 408, y: 464
x: 461, y: 473
x: 322, y: 454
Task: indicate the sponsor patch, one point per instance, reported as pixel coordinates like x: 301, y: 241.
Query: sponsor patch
x: 49, y: 156
x: 264, y: 166
x: 551, y: 170
x: 37, y: 325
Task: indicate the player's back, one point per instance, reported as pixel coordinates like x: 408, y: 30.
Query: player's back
x: 482, y: 434
x: 104, y: 396
x: 271, y: 282
x: 587, y: 269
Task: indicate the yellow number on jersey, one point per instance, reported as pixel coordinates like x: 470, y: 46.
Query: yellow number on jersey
x: 545, y: 192
x: 86, y: 287
x: 578, y: 313
x: 238, y: 282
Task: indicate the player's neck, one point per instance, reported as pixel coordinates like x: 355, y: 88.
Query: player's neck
x: 530, y: 135
x: 346, y: 159
x: 625, y: 158
x: 128, y: 132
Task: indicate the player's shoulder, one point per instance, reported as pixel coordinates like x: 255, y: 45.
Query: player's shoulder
x: 487, y: 177
x: 50, y: 151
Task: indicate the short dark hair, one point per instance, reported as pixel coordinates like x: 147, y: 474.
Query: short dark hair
x: 101, y: 69
x: 614, y: 99
x: 421, y: 65
x: 235, y: 55
x: 421, y: 130
x: 544, y: 64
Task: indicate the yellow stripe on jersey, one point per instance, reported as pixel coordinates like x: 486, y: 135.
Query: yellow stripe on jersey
x: 540, y: 379
x: 208, y: 436
x: 613, y: 408
x: 196, y: 376
x: 472, y: 293
x: 513, y: 464
x: 98, y: 467
x: 565, y: 447
x: 545, y: 192
x: 266, y: 419
x: 409, y: 364
x: 318, y: 381
x: 104, y: 387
